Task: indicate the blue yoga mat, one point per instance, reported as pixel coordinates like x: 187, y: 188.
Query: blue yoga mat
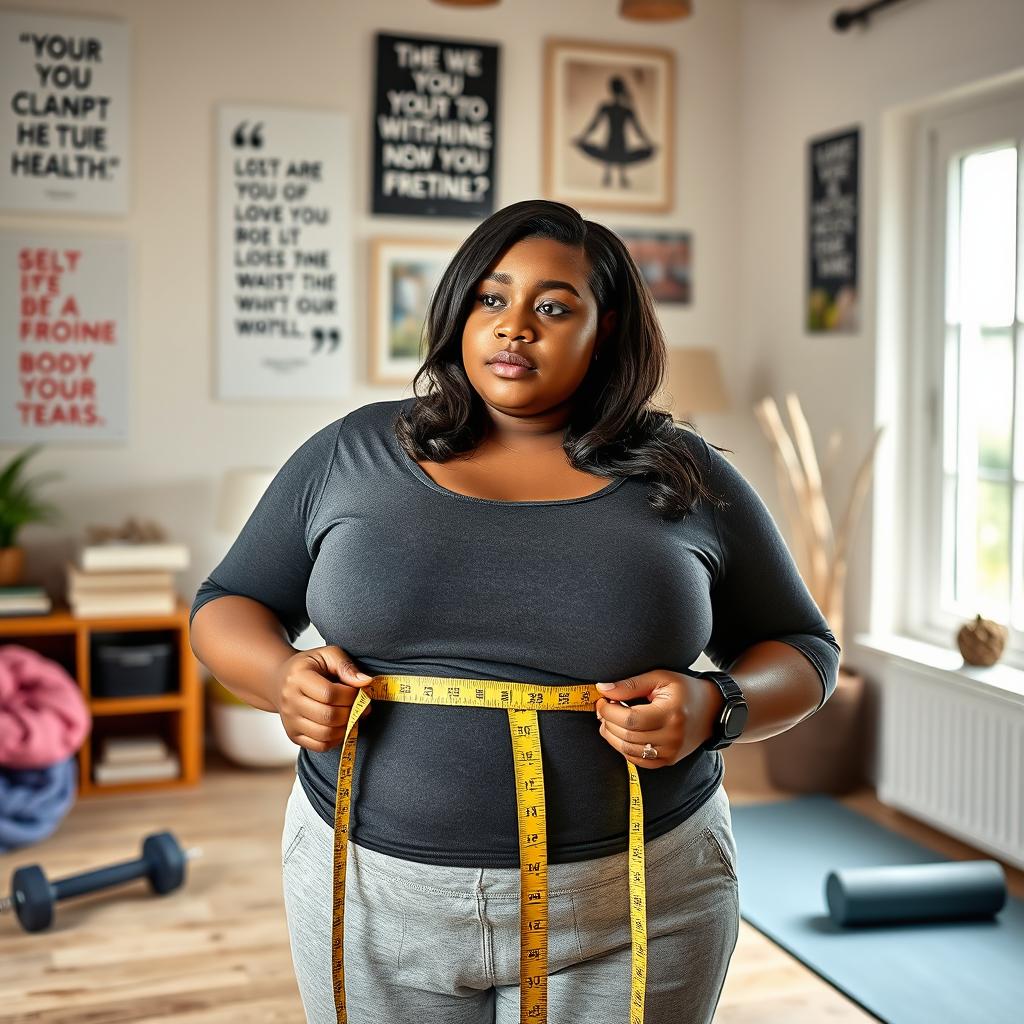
x: 956, y: 972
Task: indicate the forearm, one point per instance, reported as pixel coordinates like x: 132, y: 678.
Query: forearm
x: 780, y: 686
x: 241, y: 642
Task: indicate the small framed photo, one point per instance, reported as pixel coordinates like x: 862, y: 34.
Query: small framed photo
x: 608, y: 125
x: 403, y: 275
x: 664, y: 259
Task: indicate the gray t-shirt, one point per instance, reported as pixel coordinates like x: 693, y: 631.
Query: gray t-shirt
x: 409, y: 577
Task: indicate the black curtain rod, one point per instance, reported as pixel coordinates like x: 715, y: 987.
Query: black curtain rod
x: 843, y: 19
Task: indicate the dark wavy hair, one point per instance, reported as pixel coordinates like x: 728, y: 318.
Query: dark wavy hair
x: 613, y: 430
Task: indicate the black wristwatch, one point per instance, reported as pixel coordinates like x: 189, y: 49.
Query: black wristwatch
x: 729, y: 724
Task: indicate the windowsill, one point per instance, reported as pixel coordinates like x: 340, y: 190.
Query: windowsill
x: 945, y: 664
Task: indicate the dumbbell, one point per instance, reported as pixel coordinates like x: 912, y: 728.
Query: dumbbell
x: 32, y: 897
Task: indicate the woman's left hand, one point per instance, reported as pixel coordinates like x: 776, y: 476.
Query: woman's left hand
x: 676, y: 720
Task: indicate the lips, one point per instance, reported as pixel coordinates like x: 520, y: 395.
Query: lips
x: 504, y: 356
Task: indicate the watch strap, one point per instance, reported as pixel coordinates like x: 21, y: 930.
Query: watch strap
x: 733, y: 694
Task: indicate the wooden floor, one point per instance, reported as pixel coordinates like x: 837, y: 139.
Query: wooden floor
x: 216, y: 951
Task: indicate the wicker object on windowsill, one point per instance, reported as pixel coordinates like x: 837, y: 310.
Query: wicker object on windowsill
x: 981, y: 641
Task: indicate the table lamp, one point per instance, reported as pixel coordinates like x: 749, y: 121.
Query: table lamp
x: 240, y: 491
x: 693, y: 384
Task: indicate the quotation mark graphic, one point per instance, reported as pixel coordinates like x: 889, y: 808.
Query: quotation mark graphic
x: 321, y: 335
x: 255, y: 136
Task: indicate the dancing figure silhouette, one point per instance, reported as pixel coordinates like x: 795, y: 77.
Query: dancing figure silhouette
x: 619, y: 113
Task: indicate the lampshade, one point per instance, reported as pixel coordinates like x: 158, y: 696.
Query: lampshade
x: 693, y: 383
x: 655, y: 10
x: 240, y: 490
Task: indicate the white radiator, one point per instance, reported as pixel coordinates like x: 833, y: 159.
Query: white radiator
x: 952, y: 754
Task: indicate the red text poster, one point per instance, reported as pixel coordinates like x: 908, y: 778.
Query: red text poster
x: 64, y: 366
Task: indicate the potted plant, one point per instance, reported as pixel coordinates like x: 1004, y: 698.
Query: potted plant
x: 826, y: 752
x: 19, y: 505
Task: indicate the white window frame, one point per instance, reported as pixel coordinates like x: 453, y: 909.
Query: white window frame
x: 940, y: 135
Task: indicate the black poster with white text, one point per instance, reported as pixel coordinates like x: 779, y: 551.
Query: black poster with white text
x: 435, y: 127
x: 833, y: 297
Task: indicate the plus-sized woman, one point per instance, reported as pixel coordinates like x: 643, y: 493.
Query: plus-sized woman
x: 528, y: 516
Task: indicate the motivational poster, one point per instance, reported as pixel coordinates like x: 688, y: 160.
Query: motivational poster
x: 64, y: 113
x: 435, y: 127
x: 284, y: 264
x: 833, y: 213
x: 64, y: 349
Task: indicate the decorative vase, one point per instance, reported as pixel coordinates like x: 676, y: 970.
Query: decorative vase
x: 246, y: 735
x: 825, y: 753
x: 12, y: 563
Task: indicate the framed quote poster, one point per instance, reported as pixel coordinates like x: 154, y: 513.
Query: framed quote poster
x: 832, y: 237
x: 65, y: 116
x: 403, y: 275
x: 284, y: 307
x: 609, y: 138
x: 435, y: 127
x: 65, y: 351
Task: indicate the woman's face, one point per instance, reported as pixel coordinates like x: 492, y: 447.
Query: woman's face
x: 533, y: 301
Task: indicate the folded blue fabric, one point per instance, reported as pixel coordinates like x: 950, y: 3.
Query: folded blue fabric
x: 33, y: 801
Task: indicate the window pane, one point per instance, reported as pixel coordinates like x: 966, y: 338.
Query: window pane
x: 994, y: 402
x: 988, y: 224
x: 950, y: 401
x: 993, y: 537
x: 1017, y: 557
x: 980, y: 376
x: 984, y: 423
x: 1018, y: 444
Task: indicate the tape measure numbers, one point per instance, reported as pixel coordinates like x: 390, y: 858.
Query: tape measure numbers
x: 522, y: 701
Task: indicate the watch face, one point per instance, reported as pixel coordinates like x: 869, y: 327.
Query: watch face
x: 735, y: 720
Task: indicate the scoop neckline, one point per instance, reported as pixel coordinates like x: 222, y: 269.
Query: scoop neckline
x: 421, y: 474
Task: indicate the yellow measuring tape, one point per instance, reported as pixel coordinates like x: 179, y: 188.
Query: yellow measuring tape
x: 522, y: 701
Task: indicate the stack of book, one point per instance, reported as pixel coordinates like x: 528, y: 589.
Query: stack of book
x: 24, y: 600
x: 121, y: 578
x: 135, y: 758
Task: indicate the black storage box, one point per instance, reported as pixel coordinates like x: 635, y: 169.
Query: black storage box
x: 132, y: 664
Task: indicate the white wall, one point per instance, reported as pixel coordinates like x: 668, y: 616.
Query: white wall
x: 799, y: 79
x: 755, y: 80
x: 189, y: 55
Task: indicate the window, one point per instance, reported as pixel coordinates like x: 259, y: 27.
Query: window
x: 972, y: 540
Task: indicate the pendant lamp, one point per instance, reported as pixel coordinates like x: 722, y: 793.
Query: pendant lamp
x: 656, y: 10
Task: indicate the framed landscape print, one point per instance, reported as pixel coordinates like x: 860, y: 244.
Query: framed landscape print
x: 664, y: 260
x: 403, y: 275
x: 608, y: 133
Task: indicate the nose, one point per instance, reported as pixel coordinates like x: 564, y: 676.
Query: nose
x: 514, y: 333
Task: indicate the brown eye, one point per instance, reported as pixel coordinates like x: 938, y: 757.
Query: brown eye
x: 558, y: 310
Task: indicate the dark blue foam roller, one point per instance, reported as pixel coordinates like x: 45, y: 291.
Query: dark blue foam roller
x: 946, y: 891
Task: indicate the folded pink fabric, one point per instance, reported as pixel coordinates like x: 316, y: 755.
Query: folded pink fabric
x: 43, y: 715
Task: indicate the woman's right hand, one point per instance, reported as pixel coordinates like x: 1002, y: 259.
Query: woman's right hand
x: 313, y: 691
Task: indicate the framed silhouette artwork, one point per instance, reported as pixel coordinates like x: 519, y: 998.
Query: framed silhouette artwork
x: 609, y: 138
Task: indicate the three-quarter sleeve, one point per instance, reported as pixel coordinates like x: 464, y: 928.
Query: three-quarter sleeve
x: 758, y: 593
x: 270, y: 560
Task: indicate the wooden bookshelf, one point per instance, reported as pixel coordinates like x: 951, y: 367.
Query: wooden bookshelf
x: 178, y: 716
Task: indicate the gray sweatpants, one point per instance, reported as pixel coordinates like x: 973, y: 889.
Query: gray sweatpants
x: 441, y: 944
